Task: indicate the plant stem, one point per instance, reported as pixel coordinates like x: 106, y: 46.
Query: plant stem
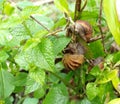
x: 83, y: 6
x: 99, y: 25
x: 77, y: 9
x: 64, y: 81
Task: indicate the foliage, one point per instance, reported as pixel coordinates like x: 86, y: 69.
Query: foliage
x: 33, y: 38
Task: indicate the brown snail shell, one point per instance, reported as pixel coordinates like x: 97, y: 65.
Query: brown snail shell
x: 85, y: 28
x: 72, y: 61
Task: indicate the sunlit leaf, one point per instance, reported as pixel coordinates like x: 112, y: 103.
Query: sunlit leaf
x: 115, y: 101
x: 32, y: 42
x: 116, y: 81
x: 38, y: 75
x: 8, y: 8
x: 27, y: 11
x: 112, y: 18
x: 107, y: 77
x: 62, y: 5
x: 31, y: 85
x: 95, y: 71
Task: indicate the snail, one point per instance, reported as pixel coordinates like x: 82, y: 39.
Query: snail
x: 81, y: 29
x: 73, y: 56
x: 72, y: 61
x: 81, y: 32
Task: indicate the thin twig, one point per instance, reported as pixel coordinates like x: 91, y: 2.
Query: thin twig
x: 55, y: 32
x: 39, y: 23
x: 95, y: 39
x: 30, y: 16
x: 77, y: 9
x: 83, y: 6
x: 99, y: 24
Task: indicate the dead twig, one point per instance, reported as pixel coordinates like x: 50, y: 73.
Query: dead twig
x: 30, y: 16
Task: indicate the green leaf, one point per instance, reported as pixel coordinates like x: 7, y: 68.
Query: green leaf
x: 108, y: 76
x: 24, y: 4
x: 85, y: 101
x: 90, y: 16
x: 112, y: 19
x: 3, y: 56
x: 29, y: 10
x: 61, y: 44
x: 115, y: 101
x: 91, y: 91
x: 42, y: 55
x: 62, y: 5
x: 21, y: 61
x: 18, y: 33
x: 1, y: 4
x: 116, y: 57
x: 31, y: 85
x: 5, y: 37
x: 6, y: 86
x: 60, y: 23
x: 116, y: 81
x: 38, y: 75
x: 97, y: 49
x: 11, y: 21
x: 29, y: 100
x: 46, y: 21
x: 2, y: 102
x: 20, y: 79
x: 57, y: 95
x: 95, y: 71
x: 32, y: 42
x: 39, y: 93
x: 8, y: 9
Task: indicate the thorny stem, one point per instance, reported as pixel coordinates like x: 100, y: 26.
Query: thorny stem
x: 30, y: 16
x: 99, y: 24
